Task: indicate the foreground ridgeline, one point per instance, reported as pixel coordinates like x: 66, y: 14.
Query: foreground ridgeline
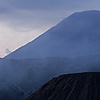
x: 82, y: 86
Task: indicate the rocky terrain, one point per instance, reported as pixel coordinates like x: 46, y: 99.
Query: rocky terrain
x: 81, y: 86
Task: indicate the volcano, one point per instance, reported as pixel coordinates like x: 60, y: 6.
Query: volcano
x: 81, y: 86
x: 77, y: 35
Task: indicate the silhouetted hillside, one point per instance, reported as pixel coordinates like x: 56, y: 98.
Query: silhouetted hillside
x: 82, y: 86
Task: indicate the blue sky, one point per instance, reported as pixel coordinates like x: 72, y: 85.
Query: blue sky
x: 23, y: 20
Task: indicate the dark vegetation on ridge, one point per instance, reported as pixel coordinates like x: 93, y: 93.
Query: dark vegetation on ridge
x: 81, y: 86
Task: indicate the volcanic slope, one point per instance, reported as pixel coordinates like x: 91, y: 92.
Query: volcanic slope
x: 77, y: 35
x: 81, y: 86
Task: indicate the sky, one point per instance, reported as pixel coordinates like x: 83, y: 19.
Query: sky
x: 21, y: 21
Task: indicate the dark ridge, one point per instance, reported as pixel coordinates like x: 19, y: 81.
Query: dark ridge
x: 81, y: 86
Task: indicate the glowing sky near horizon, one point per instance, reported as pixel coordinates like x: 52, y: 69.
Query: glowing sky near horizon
x: 23, y: 20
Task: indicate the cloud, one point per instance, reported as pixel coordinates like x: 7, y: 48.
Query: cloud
x: 7, y: 51
x: 47, y: 4
x: 25, y: 15
x: 37, y: 4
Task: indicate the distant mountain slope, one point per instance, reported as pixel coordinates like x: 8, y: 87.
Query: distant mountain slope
x: 77, y: 35
x: 83, y: 86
